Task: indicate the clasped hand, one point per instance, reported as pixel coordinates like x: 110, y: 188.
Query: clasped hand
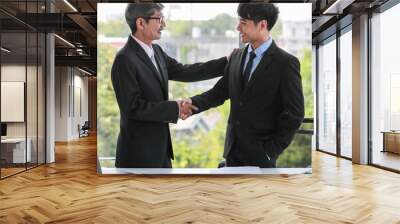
x: 186, y: 108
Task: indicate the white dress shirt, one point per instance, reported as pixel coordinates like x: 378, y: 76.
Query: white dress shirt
x: 150, y: 52
x: 148, y: 49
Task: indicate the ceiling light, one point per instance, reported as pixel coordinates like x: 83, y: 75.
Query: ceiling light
x: 5, y: 50
x: 65, y: 41
x: 84, y: 71
x: 70, y: 5
x: 337, y: 7
x: 79, y: 51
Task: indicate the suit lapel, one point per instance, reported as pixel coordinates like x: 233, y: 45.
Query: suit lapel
x: 261, y: 67
x: 238, y: 68
x: 145, y: 58
x: 162, y: 68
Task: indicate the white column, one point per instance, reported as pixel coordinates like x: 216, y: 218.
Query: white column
x: 50, y: 94
x: 314, y: 91
x: 360, y: 90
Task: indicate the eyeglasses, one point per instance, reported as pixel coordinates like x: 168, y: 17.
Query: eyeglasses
x: 160, y: 19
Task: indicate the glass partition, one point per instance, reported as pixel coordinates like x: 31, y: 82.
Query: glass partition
x: 31, y: 97
x: 14, y: 154
x: 346, y: 94
x: 385, y: 89
x: 327, y: 96
x: 41, y: 107
x: 22, y: 88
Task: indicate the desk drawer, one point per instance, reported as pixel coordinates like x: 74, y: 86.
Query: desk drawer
x: 392, y: 142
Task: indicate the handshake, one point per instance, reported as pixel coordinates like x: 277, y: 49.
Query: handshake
x: 186, y: 108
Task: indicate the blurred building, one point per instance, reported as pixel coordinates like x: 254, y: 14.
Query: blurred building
x: 296, y: 36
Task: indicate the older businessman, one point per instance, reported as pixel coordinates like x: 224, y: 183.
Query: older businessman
x: 140, y: 75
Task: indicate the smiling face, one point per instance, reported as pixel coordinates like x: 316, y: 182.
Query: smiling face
x: 151, y: 30
x: 250, y: 32
x: 253, y: 33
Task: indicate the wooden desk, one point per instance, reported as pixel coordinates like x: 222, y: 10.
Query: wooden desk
x: 391, y: 141
x: 13, y: 150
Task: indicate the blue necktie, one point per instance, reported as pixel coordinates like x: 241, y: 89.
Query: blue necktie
x: 247, y: 71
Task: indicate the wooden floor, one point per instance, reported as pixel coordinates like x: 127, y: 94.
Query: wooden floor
x: 10, y: 171
x: 70, y: 191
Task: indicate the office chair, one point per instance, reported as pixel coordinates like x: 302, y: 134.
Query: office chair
x: 84, y: 130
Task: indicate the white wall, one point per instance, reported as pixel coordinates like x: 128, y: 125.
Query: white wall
x: 61, y: 103
x: 71, y: 94
x: 83, y: 115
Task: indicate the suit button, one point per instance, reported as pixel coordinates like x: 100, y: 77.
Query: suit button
x: 240, y: 103
x: 237, y: 123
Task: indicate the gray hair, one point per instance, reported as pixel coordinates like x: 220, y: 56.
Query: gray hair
x: 134, y: 11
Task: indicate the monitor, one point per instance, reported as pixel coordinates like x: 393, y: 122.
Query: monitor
x: 3, y: 129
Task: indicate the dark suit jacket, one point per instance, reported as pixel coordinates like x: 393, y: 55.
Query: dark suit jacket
x: 142, y: 94
x: 266, y: 114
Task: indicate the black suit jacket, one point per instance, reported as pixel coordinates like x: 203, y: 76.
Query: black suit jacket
x: 266, y: 114
x: 142, y: 94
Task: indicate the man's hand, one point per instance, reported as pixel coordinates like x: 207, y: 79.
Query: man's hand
x: 186, y: 108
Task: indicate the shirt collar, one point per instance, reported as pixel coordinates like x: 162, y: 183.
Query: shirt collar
x: 149, y: 50
x: 260, y: 50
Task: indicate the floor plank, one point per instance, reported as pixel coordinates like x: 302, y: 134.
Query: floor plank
x: 70, y: 191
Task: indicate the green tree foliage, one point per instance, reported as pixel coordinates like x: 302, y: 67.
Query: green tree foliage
x: 218, y: 25
x: 179, y: 28
x: 298, y: 154
x: 306, y: 76
x: 108, y: 111
x: 179, y: 90
x: 203, y: 149
x: 114, y: 28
